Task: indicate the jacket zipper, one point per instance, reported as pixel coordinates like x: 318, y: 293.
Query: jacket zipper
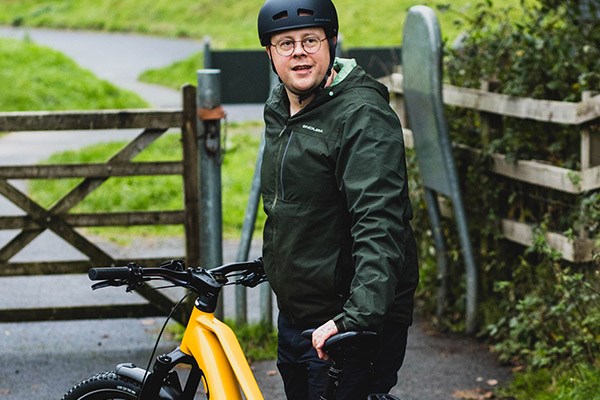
x: 275, y: 225
x: 278, y: 180
x: 287, y: 146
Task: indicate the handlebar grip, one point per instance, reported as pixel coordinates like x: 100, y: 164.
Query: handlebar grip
x: 108, y: 273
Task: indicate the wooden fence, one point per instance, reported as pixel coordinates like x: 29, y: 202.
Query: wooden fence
x: 59, y: 218
x: 577, y: 182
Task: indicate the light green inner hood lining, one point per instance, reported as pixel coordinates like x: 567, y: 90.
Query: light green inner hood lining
x: 343, y: 67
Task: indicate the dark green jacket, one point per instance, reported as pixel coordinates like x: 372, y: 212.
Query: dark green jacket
x: 337, y: 240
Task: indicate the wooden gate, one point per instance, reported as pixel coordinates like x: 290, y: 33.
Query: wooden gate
x: 59, y: 219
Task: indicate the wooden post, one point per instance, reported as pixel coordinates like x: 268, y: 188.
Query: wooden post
x: 490, y: 123
x: 190, y: 176
x: 590, y: 140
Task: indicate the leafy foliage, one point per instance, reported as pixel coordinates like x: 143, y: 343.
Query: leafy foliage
x: 579, y: 383
x: 553, y: 321
x: 540, y: 311
x: 551, y: 53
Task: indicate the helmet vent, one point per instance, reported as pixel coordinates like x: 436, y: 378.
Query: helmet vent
x: 281, y: 15
x: 303, y: 12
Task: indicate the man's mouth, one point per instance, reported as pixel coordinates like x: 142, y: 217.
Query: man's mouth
x: 301, y: 68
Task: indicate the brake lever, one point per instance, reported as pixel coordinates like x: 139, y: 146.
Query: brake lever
x: 131, y: 287
x: 111, y: 282
x: 174, y: 265
x: 252, y: 279
x: 118, y: 282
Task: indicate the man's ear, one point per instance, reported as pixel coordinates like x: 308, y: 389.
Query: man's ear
x: 268, y: 51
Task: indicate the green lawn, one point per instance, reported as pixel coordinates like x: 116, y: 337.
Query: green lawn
x: 230, y: 23
x: 38, y: 78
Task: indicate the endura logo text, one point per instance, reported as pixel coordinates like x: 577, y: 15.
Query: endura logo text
x: 312, y: 128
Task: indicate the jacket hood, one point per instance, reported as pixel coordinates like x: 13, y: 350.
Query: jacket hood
x: 350, y: 76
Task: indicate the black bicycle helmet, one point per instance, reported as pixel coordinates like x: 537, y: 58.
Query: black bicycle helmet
x: 282, y: 15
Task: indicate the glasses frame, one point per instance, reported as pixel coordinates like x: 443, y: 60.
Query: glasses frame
x: 291, y: 51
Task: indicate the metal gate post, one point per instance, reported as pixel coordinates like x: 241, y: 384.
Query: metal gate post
x: 208, y: 131
x: 422, y: 70
x: 241, y: 307
x: 266, y: 295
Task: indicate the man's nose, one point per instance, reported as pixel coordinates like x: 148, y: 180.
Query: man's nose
x: 299, y: 50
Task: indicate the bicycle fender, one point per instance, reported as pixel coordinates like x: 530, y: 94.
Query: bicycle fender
x: 129, y: 370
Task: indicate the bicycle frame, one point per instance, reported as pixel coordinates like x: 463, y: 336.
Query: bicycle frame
x: 213, y: 351
x: 217, y: 350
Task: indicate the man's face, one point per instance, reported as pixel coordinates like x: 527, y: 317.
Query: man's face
x: 300, y: 71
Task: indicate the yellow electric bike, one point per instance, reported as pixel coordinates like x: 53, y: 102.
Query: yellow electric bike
x: 218, y: 367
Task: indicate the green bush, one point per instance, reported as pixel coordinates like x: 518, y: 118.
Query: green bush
x: 551, y: 53
x: 539, y: 310
x: 553, y: 317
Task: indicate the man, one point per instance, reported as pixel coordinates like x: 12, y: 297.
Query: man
x: 338, y: 248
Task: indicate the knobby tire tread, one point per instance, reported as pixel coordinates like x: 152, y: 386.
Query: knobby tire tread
x: 104, y: 386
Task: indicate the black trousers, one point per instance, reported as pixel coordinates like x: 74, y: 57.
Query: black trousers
x: 305, y: 376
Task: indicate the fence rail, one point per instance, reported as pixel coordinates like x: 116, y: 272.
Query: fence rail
x: 92, y: 120
x: 582, y: 114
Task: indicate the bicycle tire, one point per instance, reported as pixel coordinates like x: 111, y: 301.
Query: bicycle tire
x: 104, y: 386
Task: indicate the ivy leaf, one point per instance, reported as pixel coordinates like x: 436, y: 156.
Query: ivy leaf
x: 554, y: 85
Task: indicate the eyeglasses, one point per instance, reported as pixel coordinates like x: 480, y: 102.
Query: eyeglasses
x: 310, y: 44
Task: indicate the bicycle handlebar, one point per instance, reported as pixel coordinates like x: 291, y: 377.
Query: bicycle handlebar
x: 109, y: 273
x: 206, y: 283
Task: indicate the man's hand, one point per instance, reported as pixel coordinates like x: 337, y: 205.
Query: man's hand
x: 320, y: 335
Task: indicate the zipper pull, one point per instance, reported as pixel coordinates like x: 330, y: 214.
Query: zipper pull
x: 283, y: 130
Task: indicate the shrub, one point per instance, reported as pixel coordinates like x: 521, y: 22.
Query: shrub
x: 539, y: 310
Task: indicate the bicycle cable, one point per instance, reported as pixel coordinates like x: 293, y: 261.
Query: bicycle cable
x: 175, y: 307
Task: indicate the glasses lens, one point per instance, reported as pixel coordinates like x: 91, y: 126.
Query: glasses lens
x: 285, y: 47
x: 311, y: 44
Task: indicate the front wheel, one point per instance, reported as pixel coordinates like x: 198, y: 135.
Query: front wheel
x: 104, y: 386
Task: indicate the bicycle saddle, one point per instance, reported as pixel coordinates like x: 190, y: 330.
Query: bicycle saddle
x: 340, y: 344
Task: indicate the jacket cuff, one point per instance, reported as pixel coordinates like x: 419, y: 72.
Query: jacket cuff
x: 339, y: 322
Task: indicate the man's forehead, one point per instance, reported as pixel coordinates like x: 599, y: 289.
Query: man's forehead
x: 298, y: 33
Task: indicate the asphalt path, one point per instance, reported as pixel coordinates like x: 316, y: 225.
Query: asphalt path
x: 41, y: 360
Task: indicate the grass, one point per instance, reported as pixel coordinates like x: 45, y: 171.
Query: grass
x: 258, y: 341
x: 580, y: 383
x: 160, y: 192
x: 177, y: 74
x: 37, y: 78
x: 230, y: 23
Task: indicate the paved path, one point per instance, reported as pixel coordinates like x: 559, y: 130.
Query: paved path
x: 39, y: 361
